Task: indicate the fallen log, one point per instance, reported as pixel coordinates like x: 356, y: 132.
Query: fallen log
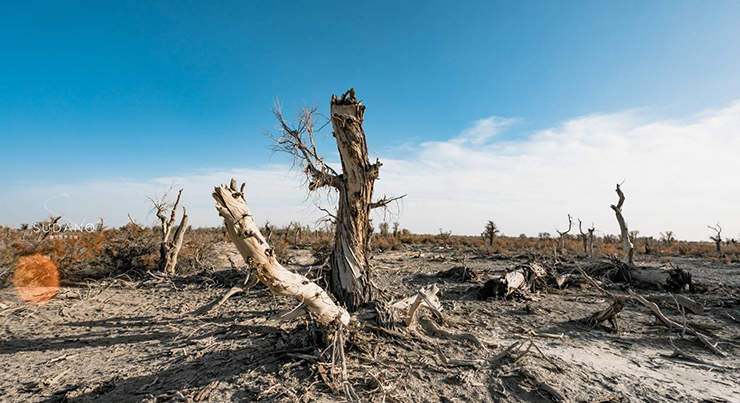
x: 246, y: 236
x: 673, y: 280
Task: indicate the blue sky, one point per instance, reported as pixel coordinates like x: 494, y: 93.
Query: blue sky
x: 139, y: 90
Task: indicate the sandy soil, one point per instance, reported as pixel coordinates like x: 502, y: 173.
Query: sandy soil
x: 121, y: 341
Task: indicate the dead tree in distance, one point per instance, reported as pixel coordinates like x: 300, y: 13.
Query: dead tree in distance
x: 587, y: 238
x: 172, y: 237
x: 349, y: 278
x: 625, y: 233
x: 717, y: 238
x: 561, y: 241
x: 490, y: 231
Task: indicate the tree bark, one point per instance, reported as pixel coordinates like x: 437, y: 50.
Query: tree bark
x: 349, y: 280
x: 627, y: 244
x: 246, y: 235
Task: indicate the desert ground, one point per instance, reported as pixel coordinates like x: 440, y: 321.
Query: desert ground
x: 129, y: 340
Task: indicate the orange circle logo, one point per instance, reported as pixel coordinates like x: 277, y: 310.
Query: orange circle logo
x: 36, y: 278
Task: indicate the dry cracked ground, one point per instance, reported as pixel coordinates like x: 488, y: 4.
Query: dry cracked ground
x: 130, y: 341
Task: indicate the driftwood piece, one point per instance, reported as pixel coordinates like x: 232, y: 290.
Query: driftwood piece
x: 686, y: 328
x: 502, y: 287
x: 609, y: 314
x: 431, y: 328
x: 684, y: 302
x: 245, y: 233
x: 426, y: 297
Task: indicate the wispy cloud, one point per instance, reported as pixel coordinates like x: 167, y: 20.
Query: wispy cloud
x: 483, y: 130
x: 679, y: 176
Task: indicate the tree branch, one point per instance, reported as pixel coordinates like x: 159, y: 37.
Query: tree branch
x: 385, y: 201
x: 298, y: 141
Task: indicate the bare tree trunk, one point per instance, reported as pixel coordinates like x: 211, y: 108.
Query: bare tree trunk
x: 584, y: 238
x: 591, y: 241
x: 349, y: 278
x: 171, y: 238
x: 246, y: 235
x: 561, y: 241
x: 350, y: 273
x: 626, y: 243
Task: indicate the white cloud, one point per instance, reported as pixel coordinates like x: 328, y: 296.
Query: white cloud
x: 680, y: 176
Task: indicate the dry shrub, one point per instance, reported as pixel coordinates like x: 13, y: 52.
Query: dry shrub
x: 199, y: 251
x: 385, y: 243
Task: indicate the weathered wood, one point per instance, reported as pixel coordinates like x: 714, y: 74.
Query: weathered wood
x: 673, y: 280
x: 685, y: 302
x: 502, y: 287
x: 245, y: 233
x: 608, y: 314
x: 670, y: 324
x: 626, y: 243
x: 350, y: 271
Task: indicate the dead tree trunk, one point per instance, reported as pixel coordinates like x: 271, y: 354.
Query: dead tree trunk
x: 626, y: 243
x: 717, y: 238
x: 171, y: 238
x: 246, y: 235
x: 349, y: 278
x: 561, y: 241
x: 591, y: 240
x: 587, y: 239
x: 350, y: 274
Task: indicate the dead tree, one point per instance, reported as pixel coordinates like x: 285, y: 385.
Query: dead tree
x: 717, y: 238
x: 349, y: 278
x: 404, y: 319
x: 587, y: 238
x: 625, y: 233
x: 561, y: 241
x: 172, y: 236
x: 490, y: 232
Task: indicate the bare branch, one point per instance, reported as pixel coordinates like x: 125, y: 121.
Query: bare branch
x: 621, y: 199
x: 385, y: 201
x: 298, y: 141
x: 570, y: 225
x: 718, y: 230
